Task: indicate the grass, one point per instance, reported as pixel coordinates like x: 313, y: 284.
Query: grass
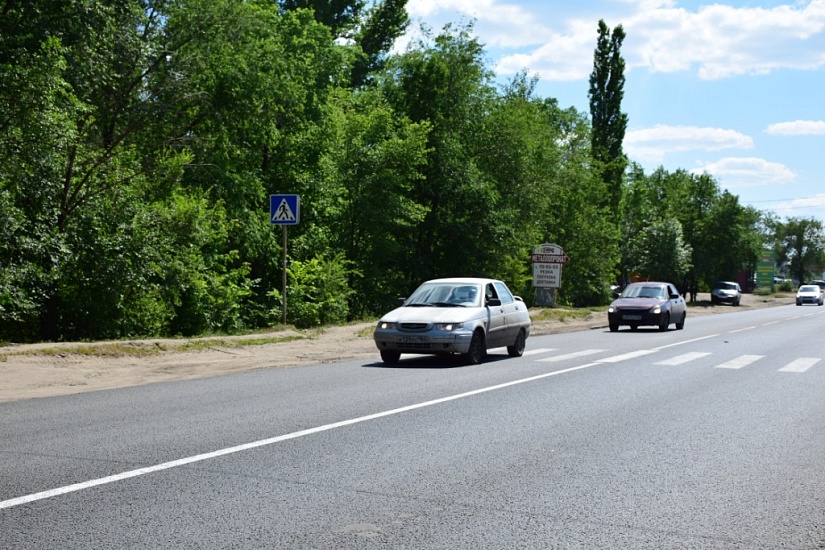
x: 563, y: 314
x: 135, y: 349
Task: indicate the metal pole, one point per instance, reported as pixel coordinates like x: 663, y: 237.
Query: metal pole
x: 284, y: 285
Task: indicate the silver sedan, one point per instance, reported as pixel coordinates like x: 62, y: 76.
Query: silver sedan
x: 464, y: 316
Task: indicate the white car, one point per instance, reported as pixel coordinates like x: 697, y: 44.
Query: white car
x: 464, y: 316
x: 809, y: 294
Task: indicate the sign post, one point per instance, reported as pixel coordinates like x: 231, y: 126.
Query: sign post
x: 547, y: 261
x: 284, y: 210
x: 766, y: 268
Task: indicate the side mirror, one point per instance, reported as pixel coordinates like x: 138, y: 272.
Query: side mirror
x: 493, y: 302
x: 400, y: 301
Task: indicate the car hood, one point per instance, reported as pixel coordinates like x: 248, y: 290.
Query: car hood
x: 434, y: 314
x: 637, y: 303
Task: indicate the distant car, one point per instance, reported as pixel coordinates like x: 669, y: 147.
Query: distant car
x: 464, y: 316
x: 820, y: 284
x: 644, y: 304
x: 726, y: 292
x: 809, y: 294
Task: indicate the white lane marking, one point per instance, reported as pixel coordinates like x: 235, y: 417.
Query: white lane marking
x: 682, y: 359
x: 740, y: 362
x: 10, y: 503
x: 626, y: 356
x: 537, y: 351
x: 800, y: 365
x: 686, y: 342
x: 741, y: 330
x: 573, y: 355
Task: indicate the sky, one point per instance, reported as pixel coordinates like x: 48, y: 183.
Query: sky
x: 735, y: 89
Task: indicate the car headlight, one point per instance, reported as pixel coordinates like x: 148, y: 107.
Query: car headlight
x: 449, y: 327
x: 656, y: 310
x: 385, y: 325
x: 612, y: 309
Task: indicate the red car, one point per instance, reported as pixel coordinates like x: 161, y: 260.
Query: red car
x: 648, y: 304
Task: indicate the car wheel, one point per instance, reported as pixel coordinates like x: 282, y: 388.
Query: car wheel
x: 390, y: 357
x: 614, y: 327
x: 665, y: 322
x: 517, y: 349
x: 736, y: 303
x: 476, y: 352
x: 713, y: 300
x: 681, y: 324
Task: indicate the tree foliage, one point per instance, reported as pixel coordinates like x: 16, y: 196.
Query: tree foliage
x: 609, y: 122
x: 139, y: 142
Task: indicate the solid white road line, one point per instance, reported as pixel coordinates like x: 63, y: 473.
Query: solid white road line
x: 10, y: 503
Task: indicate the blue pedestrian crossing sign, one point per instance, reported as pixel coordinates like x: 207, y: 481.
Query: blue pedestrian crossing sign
x: 284, y: 209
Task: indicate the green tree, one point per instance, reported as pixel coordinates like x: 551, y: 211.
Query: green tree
x: 608, y: 121
x: 802, y: 242
x: 444, y: 83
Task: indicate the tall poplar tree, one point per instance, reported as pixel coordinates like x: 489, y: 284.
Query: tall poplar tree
x: 608, y: 121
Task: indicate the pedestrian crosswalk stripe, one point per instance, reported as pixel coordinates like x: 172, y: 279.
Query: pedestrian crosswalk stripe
x: 682, y: 359
x: 739, y: 362
x: 571, y: 355
x: 626, y: 356
x: 537, y: 351
x: 800, y: 365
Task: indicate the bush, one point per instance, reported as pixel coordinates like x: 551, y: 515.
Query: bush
x: 317, y: 292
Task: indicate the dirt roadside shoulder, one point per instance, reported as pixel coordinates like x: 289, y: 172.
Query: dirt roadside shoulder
x: 48, y: 370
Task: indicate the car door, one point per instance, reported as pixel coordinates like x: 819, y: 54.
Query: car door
x: 496, y: 316
x: 677, y: 303
x: 514, y: 312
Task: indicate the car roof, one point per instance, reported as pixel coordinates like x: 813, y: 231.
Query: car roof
x: 463, y: 280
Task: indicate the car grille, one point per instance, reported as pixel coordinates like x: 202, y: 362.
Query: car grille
x: 414, y: 327
x: 417, y: 345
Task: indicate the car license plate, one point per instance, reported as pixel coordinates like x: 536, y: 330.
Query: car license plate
x: 412, y: 339
x: 632, y: 317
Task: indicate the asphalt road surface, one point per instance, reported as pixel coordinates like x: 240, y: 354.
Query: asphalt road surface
x: 707, y: 437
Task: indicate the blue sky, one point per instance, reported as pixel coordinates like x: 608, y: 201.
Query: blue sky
x: 733, y: 88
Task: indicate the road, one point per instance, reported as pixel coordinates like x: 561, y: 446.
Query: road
x: 708, y: 437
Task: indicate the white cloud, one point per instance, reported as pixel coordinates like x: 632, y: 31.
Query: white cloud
x: 798, y: 128
x: 723, y: 41
x: 652, y: 144
x: 733, y: 172
x: 498, y: 24
x: 816, y: 201
x: 716, y: 40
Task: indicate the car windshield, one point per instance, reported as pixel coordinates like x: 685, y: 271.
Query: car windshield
x: 726, y: 286
x: 809, y: 288
x: 644, y: 291
x: 444, y: 295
